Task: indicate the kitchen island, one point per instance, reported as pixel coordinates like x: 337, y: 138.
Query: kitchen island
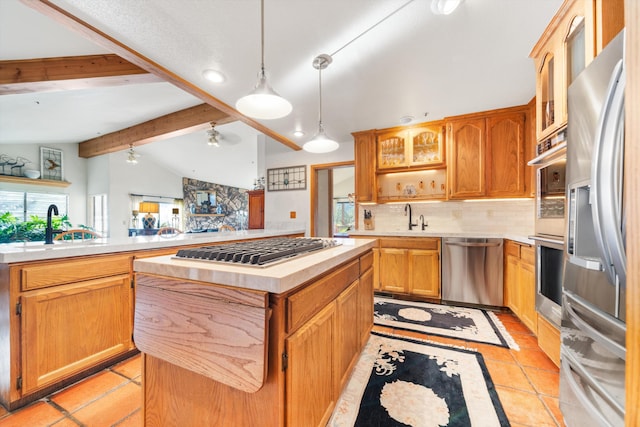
x: 236, y: 345
x: 67, y: 308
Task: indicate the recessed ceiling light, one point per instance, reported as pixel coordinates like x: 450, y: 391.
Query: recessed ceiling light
x: 298, y: 133
x: 214, y: 76
x: 405, y: 120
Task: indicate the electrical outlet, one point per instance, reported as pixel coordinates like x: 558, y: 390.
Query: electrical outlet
x: 292, y: 214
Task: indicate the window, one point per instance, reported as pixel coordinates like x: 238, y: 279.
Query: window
x: 23, y: 205
x: 343, y: 216
x: 99, y: 214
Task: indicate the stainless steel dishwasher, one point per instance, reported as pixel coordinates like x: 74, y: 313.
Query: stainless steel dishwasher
x: 472, y: 270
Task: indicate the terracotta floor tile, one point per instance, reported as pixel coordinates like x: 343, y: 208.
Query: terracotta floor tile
x: 130, y: 368
x: 553, y: 405
x: 112, y: 408
x: 507, y: 317
x: 525, y: 340
x: 525, y: 408
x: 133, y: 420
x: 3, y: 411
x: 88, y: 390
x: 545, y: 382
x: 517, y: 327
x: 493, y: 352
x: 534, y: 358
x: 383, y: 329
x: 508, y: 375
x: 35, y: 415
x: 432, y: 338
x: 65, y: 423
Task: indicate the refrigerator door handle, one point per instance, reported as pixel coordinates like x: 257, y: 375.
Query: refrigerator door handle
x: 606, y: 178
x: 570, y: 364
x: 594, y: 334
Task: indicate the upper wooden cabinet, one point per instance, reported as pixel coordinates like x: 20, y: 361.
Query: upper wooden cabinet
x: 413, y: 147
x: 576, y: 34
x: 364, y: 156
x: 487, y: 154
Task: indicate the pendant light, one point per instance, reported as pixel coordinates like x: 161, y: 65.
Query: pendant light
x: 263, y: 102
x: 320, y: 143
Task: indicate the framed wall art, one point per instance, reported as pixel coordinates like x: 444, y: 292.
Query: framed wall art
x: 51, y: 164
x: 289, y: 178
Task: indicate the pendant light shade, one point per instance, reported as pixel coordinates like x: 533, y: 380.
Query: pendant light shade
x: 444, y: 7
x: 263, y: 102
x: 320, y: 143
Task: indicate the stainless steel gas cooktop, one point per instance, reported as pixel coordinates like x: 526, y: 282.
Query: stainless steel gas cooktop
x: 258, y: 253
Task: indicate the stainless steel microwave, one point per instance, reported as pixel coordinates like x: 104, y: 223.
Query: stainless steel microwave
x: 551, y: 196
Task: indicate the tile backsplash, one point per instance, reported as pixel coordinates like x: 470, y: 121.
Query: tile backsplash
x: 515, y: 216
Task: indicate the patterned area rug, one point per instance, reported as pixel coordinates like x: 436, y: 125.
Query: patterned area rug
x: 403, y: 382
x: 469, y: 324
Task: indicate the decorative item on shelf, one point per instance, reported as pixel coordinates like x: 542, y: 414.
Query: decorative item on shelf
x: 368, y: 220
x: 263, y: 102
x: 175, y: 219
x: 258, y: 184
x: 192, y: 208
x: 219, y: 209
x: 149, y: 221
x: 51, y: 164
x: 134, y: 220
x: 32, y: 173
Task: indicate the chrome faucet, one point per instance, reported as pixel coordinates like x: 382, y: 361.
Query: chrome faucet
x: 422, y: 223
x: 411, y: 224
x: 48, y: 233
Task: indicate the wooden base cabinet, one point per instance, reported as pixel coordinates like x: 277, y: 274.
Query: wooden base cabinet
x: 519, y: 282
x: 65, y: 318
x: 410, y: 266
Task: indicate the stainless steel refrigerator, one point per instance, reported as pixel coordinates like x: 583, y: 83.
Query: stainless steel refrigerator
x: 592, y: 389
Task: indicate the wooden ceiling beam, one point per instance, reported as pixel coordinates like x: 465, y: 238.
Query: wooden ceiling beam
x: 109, y: 43
x: 69, y: 73
x: 167, y: 126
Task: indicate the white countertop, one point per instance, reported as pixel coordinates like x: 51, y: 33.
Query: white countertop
x: 36, y: 251
x: 417, y: 232
x: 276, y: 278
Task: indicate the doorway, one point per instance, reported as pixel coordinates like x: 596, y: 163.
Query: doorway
x: 332, y: 202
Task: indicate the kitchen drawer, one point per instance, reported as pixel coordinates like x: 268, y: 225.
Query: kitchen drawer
x: 426, y: 243
x: 366, y: 261
x: 54, y: 273
x: 528, y: 254
x: 512, y: 248
x: 304, y: 304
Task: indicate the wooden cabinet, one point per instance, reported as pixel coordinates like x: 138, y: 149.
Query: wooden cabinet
x: 549, y: 339
x: 364, y: 144
x: 410, y: 266
x: 256, y: 209
x: 410, y: 147
x: 576, y: 34
x: 63, y: 318
x: 311, y: 375
x: 487, y: 154
x: 66, y: 329
x: 519, y: 282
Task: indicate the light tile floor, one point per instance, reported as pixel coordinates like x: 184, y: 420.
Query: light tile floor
x: 526, y: 380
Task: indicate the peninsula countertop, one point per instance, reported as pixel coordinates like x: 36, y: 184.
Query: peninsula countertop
x: 276, y: 278
x: 38, y: 251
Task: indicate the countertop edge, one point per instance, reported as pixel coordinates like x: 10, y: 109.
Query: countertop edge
x: 418, y: 233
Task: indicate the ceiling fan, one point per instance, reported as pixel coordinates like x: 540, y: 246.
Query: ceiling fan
x: 215, y: 138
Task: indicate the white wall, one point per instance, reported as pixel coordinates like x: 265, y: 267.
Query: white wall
x: 279, y: 204
x: 74, y: 171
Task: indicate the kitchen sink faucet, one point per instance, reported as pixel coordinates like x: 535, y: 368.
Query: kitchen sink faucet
x: 422, y: 223
x: 48, y: 232
x: 411, y: 224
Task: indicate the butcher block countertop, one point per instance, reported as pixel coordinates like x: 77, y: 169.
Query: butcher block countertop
x: 277, y: 278
x: 37, y: 251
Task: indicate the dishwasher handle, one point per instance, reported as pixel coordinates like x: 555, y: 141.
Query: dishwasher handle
x: 474, y: 245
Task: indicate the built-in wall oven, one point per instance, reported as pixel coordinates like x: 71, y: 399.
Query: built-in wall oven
x: 551, y: 202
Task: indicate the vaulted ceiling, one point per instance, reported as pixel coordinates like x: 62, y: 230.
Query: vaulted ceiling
x: 411, y: 63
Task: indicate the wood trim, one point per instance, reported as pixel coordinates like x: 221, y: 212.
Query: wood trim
x: 23, y: 180
x: 69, y: 72
x: 551, y: 27
x: 102, y: 39
x: 167, y: 126
x: 632, y: 204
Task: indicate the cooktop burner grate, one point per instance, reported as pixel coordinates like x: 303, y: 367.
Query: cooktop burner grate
x: 257, y: 252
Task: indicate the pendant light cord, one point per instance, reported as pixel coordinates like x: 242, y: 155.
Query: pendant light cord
x: 373, y: 26
x: 320, y: 99
x: 262, y: 35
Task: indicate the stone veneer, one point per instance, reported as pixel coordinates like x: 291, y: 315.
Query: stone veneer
x: 234, y: 202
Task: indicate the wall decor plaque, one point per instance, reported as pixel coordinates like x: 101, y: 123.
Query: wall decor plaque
x: 288, y: 178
